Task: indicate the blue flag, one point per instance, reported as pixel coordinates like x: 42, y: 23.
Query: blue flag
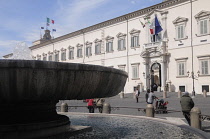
x: 54, y: 30
x: 158, y: 28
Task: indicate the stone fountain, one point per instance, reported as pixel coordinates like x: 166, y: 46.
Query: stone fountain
x: 29, y: 91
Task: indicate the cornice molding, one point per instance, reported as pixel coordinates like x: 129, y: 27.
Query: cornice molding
x: 122, y: 18
x: 180, y: 19
x: 202, y: 14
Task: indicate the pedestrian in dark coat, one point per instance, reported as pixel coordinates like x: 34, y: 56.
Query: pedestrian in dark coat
x: 187, y: 104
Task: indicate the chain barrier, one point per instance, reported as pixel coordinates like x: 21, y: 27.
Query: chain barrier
x: 202, y: 117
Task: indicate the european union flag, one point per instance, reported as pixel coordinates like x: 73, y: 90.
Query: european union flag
x: 158, y: 28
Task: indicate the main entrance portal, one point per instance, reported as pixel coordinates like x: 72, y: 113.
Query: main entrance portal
x: 155, y: 76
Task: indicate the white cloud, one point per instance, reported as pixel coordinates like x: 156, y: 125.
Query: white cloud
x: 70, y: 14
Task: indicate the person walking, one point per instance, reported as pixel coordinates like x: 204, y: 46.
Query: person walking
x: 90, y: 104
x: 136, y: 93
x: 151, y: 97
x: 147, y: 95
x: 187, y: 104
x: 99, y: 104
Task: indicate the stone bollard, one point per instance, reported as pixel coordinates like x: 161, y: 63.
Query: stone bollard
x: 195, y: 118
x: 179, y: 94
x: 106, y: 108
x: 64, y: 107
x: 122, y: 95
x: 150, y: 111
x: 164, y: 94
x: 204, y: 93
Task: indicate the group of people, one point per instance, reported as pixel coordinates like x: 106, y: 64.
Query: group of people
x: 95, y: 103
x: 150, y: 96
x: 186, y: 102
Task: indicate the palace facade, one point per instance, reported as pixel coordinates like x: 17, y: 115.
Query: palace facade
x: 177, y: 58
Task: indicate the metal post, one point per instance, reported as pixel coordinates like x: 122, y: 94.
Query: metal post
x: 64, y: 107
x: 106, y: 108
x: 164, y: 94
x: 150, y: 111
x: 179, y: 94
x: 122, y: 95
x: 204, y: 93
x: 195, y: 118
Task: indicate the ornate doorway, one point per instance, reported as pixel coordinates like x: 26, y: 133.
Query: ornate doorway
x: 155, y: 76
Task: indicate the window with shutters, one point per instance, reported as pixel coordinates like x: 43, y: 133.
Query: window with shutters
x: 79, y: 50
x: 134, y: 41
x: 38, y: 57
x: 88, y: 49
x: 109, y: 44
x: 203, y: 18
x: 63, y: 54
x: 135, y: 71
x: 204, y: 67
x: 181, y: 67
x: 56, y: 55
x: 204, y: 64
x: 134, y: 38
x: 180, y: 32
x: 180, y: 24
x: 121, y: 41
x: 71, y: 52
x: 203, y: 27
x: 97, y: 46
x: 50, y: 56
x: 44, y: 56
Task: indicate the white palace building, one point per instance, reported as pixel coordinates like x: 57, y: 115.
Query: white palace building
x: 177, y: 58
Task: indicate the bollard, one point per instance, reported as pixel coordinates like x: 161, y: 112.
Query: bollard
x: 106, y: 108
x: 122, y: 95
x: 164, y: 94
x: 150, y: 112
x: 204, y: 93
x: 179, y: 94
x: 195, y: 118
x: 64, y: 107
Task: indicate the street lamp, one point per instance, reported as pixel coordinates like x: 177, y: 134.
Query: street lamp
x: 194, y: 77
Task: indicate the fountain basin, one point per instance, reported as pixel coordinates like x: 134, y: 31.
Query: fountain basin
x: 126, y: 126
x: 29, y: 91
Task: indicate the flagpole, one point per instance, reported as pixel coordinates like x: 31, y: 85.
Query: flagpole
x: 52, y: 34
x: 40, y: 34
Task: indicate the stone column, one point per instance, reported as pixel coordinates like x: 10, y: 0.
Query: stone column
x: 195, y: 118
x: 163, y: 83
x: 204, y: 93
x: 141, y: 87
x: 169, y: 85
x: 64, y: 107
x: 106, y: 108
x: 150, y: 112
x: 179, y: 94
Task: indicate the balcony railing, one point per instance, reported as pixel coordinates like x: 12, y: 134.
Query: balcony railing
x: 152, y: 45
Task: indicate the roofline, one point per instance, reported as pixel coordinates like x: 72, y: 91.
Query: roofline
x: 125, y: 17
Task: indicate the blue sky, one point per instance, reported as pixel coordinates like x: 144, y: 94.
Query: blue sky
x: 20, y: 20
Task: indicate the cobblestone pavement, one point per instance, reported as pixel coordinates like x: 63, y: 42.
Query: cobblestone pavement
x: 129, y: 101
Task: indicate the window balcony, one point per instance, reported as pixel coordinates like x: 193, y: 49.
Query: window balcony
x: 152, y: 45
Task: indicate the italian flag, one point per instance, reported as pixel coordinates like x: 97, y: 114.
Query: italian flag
x: 48, y: 21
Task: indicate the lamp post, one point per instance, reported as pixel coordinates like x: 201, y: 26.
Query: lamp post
x: 194, y: 77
